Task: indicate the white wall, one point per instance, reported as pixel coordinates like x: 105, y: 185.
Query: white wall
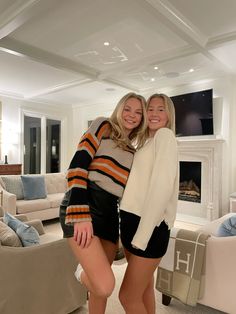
x: 11, y: 130
x: 83, y: 114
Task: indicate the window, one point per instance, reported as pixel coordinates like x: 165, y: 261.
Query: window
x: 53, y: 145
x: 42, y: 143
x: 32, y: 145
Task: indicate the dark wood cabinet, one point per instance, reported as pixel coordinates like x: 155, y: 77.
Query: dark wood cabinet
x: 10, y: 169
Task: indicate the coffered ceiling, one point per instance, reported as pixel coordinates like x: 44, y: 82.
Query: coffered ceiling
x: 77, y: 52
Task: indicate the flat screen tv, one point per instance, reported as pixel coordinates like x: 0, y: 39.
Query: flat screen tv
x: 193, y: 113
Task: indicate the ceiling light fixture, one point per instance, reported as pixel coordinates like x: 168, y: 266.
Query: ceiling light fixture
x: 152, y: 79
x: 191, y: 70
x: 106, y: 43
x: 155, y: 68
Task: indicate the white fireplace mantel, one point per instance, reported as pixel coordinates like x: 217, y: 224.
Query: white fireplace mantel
x: 208, y: 151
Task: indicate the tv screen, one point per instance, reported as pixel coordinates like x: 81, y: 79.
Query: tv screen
x: 193, y: 113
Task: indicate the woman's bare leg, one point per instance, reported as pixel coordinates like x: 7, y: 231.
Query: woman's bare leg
x: 149, y: 295
x: 97, y: 304
x: 149, y: 298
x: 97, y: 275
x: 136, y: 294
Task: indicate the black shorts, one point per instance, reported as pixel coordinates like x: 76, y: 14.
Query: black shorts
x: 104, y: 213
x: 157, y: 244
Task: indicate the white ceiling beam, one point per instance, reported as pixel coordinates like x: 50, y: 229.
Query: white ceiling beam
x: 20, y: 12
x: 23, y: 50
x: 180, y: 25
x: 10, y: 94
x: 221, y: 40
x: 178, y: 22
x: 57, y: 88
x: 38, y: 55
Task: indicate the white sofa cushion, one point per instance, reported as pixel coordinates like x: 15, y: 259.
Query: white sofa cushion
x: 55, y: 182
x: 55, y: 199
x: 27, y: 206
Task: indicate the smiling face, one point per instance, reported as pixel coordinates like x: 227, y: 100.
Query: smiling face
x: 132, y: 114
x: 157, y: 115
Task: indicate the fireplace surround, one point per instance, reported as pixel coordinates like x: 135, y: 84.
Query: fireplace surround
x: 208, y: 152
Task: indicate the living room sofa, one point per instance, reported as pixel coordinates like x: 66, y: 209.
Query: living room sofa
x: 40, y: 208
x: 218, y: 283
x: 39, y: 279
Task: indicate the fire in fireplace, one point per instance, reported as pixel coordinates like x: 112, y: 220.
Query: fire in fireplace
x: 190, y: 181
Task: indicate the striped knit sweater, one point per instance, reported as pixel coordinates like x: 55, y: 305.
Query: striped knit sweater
x: 97, y: 159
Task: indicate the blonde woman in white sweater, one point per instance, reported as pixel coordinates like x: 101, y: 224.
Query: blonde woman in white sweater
x: 148, y: 206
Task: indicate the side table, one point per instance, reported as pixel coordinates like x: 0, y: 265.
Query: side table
x: 7, y: 169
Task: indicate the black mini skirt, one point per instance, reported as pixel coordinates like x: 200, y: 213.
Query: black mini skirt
x: 104, y: 213
x: 158, y: 243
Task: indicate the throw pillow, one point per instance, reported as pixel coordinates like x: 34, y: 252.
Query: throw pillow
x: 228, y: 227
x: 33, y: 187
x: 28, y: 235
x: 8, y: 237
x: 13, y: 185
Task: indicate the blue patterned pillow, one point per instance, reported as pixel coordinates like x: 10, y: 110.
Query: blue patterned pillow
x: 13, y: 185
x: 28, y: 235
x: 228, y: 227
x: 33, y: 187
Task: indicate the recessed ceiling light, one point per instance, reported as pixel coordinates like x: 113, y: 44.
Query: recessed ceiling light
x: 155, y: 68
x: 191, y: 70
x: 152, y: 79
x: 106, y: 43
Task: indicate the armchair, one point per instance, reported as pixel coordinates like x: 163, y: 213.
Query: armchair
x: 39, y: 279
x: 218, y: 284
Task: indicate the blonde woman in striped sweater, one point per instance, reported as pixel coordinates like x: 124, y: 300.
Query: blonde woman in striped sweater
x: 97, y: 176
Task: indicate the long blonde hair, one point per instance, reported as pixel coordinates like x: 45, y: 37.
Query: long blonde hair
x: 170, y: 110
x: 118, y: 133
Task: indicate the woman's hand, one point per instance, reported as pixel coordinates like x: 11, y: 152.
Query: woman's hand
x: 83, y: 233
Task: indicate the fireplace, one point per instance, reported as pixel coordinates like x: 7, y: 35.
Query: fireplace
x: 190, y: 181
x: 200, y: 193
